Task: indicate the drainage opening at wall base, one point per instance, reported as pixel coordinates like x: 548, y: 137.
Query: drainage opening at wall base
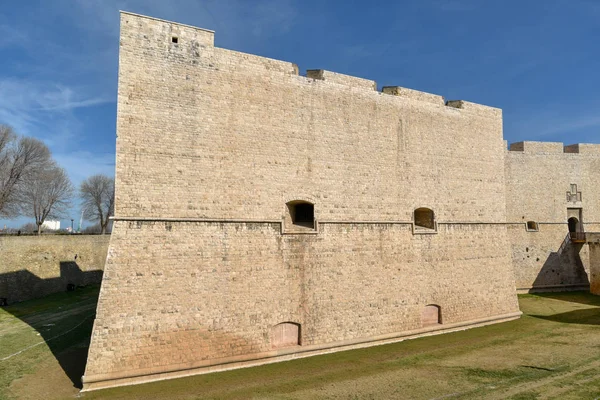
x: 285, y: 334
x: 431, y: 315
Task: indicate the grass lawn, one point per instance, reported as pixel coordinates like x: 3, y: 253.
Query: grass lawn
x: 552, y: 352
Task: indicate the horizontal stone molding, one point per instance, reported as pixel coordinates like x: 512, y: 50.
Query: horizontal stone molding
x: 220, y: 220
x: 332, y: 222
x: 103, y: 381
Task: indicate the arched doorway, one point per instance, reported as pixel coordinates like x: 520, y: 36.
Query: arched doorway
x: 573, y: 225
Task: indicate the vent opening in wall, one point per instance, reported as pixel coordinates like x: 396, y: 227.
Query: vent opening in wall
x: 174, y: 39
x: 424, y: 219
x: 532, y: 226
x: 300, y: 215
x: 431, y: 315
x: 286, y: 334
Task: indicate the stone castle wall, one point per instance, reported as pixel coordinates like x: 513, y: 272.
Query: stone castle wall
x: 203, y: 266
x: 538, y: 177
x: 35, y: 266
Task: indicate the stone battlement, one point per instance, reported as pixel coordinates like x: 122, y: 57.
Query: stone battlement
x: 342, y: 79
x: 554, y: 148
x: 185, y: 41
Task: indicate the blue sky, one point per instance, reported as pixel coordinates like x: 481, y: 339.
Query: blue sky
x: 537, y: 60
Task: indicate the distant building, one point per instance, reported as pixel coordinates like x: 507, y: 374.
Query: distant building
x: 51, y: 225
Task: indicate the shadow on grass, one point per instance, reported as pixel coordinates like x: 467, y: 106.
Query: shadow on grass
x: 581, y: 297
x: 588, y: 316
x: 64, y: 321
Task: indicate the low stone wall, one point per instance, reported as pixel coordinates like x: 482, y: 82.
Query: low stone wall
x: 35, y: 266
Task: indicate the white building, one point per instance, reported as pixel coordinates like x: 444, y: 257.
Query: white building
x: 51, y: 225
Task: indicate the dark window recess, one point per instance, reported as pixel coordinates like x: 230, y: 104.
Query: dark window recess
x: 424, y: 218
x: 305, y: 213
x: 532, y: 226
x: 175, y: 39
x: 302, y: 213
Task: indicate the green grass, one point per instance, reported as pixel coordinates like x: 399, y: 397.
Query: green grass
x: 553, y: 351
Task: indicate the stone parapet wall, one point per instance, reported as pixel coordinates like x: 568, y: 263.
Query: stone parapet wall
x: 35, y: 266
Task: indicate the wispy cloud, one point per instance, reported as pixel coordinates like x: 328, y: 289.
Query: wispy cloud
x: 25, y: 104
x: 10, y: 36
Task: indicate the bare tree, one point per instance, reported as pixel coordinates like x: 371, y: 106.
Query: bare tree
x: 45, y: 194
x: 98, y: 195
x: 19, y: 158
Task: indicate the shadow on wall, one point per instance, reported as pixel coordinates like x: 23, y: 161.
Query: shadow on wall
x: 562, y: 270
x: 63, y: 320
x: 23, y: 285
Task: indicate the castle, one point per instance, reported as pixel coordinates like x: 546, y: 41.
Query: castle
x: 262, y: 215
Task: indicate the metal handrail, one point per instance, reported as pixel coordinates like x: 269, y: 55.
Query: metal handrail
x: 564, y: 244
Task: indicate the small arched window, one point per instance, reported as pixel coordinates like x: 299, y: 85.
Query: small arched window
x: 300, y: 216
x: 286, y: 334
x: 431, y: 315
x: 532, y: 226
x: 424, y: 218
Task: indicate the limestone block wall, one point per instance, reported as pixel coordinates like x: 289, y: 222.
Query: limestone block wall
x: 198, y: 122
x: 181, y: 295
x: 212, y: 144
x: 538, y: 177
x: 35, y: 266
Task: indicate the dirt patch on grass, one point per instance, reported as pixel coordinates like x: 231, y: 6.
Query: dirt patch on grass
x: 50, y: 381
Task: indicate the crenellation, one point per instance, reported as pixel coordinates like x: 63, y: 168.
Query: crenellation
x: 413, y: 94
x: 237, y: 60
x: 538, y: 147
x: 518, y: 146
x: 571, y: 148
x: 583, y: 148
x: 347, y: 80
x: 475, y: 108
